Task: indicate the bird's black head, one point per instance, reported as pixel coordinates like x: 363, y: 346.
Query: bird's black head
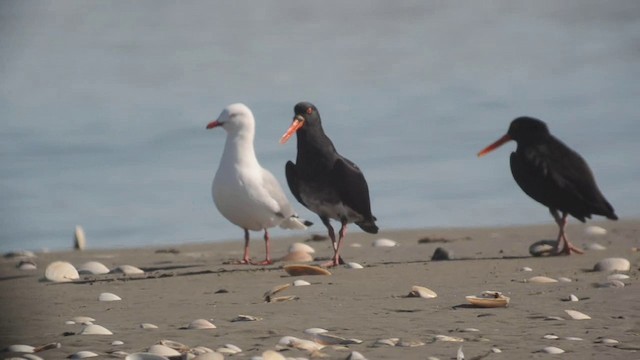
x: 305, y: 115
x: 526, y: 129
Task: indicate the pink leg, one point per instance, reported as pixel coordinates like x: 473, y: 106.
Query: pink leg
x: 567, y: 247
x: 336, y: 257
x: 267, y: 244
x: 332, y: 236
x: 245, y: 258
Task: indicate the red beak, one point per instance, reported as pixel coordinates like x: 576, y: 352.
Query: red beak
x: 297, y: 124
x: 213, y: 124
x: 495, y: 145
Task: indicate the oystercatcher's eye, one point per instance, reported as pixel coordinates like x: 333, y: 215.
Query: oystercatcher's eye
x: 309, y: 111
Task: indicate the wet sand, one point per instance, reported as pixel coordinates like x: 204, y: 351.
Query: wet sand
x: 188, y: 282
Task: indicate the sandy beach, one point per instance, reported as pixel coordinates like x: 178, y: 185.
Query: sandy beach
x: 188, y: 282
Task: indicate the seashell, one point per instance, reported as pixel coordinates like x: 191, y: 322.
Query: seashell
x: 313, y: 331
x: 356, y: 356
x: 564, y: 279
x: 83, y: 319
x: 355, y: 245
x: 618, y: 277
x: 209, y: 356
x: 554, y: 318
x: 423, y: 292
x: 272, y: 355
x: 469, y: 330
x: 27, y: 265
x: 385, y: 243
x: 69, y: 322
x: 551, y: 337
x: 145, y: 356
x: 577, y: 315
x: 410, y: 343
x: 612, y: 264
x: 79, y: 239
x: 541, y: 280
x: 120, y: 354
x: 616, y: 284
x: 552, y: 350
x: 225, y: 351
x: 177, y: 346
x: 495, y: 350
x: 61, y: 271
x: 127, y: 270
x: 53, y: 345
x: 301, y: 282
x: 526, y: 268
x: 159, y: 349
x: 459, y: 354
x: 607, y: 341
x: 277, y: 299
x: 543, y: 248
x: 447, y: 338
x: 300, y: 344
x: 148, y: 326
x: 233, y: 347
x: 83, y: 355
x: 200, y: 350
x: 93, y: 268
x: 354, y: 265
x: 298, y: 256
x: 489, y: 299
x: 200, y: 324
x: 20, y: 254
x: 94, y: 330
x: 386, y: 342
x: 301, y: 247
x: 595, y: 247
x: 274, y: 290
x: 246, y: 318
x: 117, y: 343
x: 328, y: 339
x: 108, y: 297
x: 573, y: 298
x: 30, y: 357
x: 595, y: 231
x: 573, y: 338
x: 301, y: 269
x: 20, y: 348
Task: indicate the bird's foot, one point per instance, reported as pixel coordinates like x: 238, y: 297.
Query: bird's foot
x: 569, y: 249
x: 263, y: 262
x: 333, y: 262
x: 242, y: 262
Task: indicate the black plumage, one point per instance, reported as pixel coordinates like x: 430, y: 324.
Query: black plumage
x: 554, y: 175
x: 324, y: 181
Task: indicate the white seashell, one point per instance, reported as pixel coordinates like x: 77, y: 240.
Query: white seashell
x: 616, y: 284
x: 356, y: 356
x: 552, y: 350
x: 158, y: 349
x: 274, y: 290
x: 69, y: 322
x: 612, y: 264
x: 121, y: 354
x: 410, y: 343
x: 117, y: 343
x: 469, y: 330
x: 209, y: 356
x: 108, y: 297
x: 93, y: 267
x: 495, y: 350
x: 354, y: 265
x: 148, y: 326
x: 233, y: 347
x: 20, y: 348
x: 564, y: 279
x: 30, y: 357
x: 355, y: 245
x: 595, y: 231
x: 83, y: 355
x: 301, y: 282
x: 201, y: 350
x: 423, y: 292
x: 541, y: 280
x: 489, y: 299
x: 386, y: 342
x: 459, y: 354
x: 573, y: 298
x: 313, y: 331
x: 385, y: 243
x: 577, y: 315
x: 27, y: 265
x: 61, y: 271
x: 543, y: 248
x: 225, y: 351
x: 20, y: 254
x: 328, y: 339
x: 595, y: 247
x: 551, y: 337
x: 573, y: 338
x: 246, y: 318
x: 298, y: 257
x: 272, y: 355
x: 178, y: 346
x: 554, y: 318
x: 607, y: 341
x: 306, y: 345
x: 145, y: 356
x: 526, y: 268
x: 83, y: 319
x: 301, y: 247
x: 618, y: 277
x: 200, y: 324
x: 79, y: 238
x: 127, y: 270
x: 448, y: 338
x: 95, y: 330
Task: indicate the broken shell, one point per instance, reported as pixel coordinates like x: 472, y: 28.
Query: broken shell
x: 526, y: 268
x: 298, y: 256
x: 201, y: 350
x: 573, y: 338
x: 328, y: 339
x: 573, y: 298
x: 613, y: 284
x: 276, y: 299
x: 313, y: 331
x: 613, y: 264
x: 180, y: 347
x: 246, y: 318
x: 127, y: 270
x: 233, y: 347
x: 83, y: 355
x: 93, y: 267
x: 489, y: 299
x: 410, y: 343
x: 551, y: 337
x: 274, y: 290
x: 607, y: 341
x: 200, y: 324
x: 577, y: 315
x: 159, y: 349
x: 564, y: 279
x: 79, y: 238
x: 447, y: 338
x: 300, y: 282
x: 354, y: 265
x: 301, y: 269
x: 117, y: 343
x: 61, y: 271
x: 20, y: 348
x: 541, y: 280
x: 52, y: 345
x: 301, y: 247
x: 94, y: 329
x: 148, y: 326
x: 552, y: 350
x: 595, y: 230
x: 385, y: 243
x: 423, y: 292
x: 543, y: 248
x: 386, y: 342
x: 108, y: 297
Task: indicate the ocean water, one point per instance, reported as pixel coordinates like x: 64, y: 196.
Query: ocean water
x: 103, y: 107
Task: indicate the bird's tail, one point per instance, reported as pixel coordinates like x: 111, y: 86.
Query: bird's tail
x: 369, y: 226
x: 295, y: 223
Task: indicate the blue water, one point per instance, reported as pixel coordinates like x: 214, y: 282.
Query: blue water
x: 103, y: 107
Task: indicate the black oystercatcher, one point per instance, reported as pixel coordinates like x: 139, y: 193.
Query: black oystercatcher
x: 324, y: 181
x: 244, y: 192
x: 554, y: 175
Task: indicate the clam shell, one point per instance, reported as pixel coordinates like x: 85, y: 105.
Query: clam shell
x: 79, y: 238
x: 94, y: 329
x: 595, y: 247
x: 386, y: 342
x: 423, y: 292
x: 526, y: 268
x: 551, y: 337
x: 564, y: 279
x: 145, y: 356
x: 93, y: 267
x: 53, y: 345
x: 447, y: 338
x: 618, y: 277
x: 61, y: 271
x: 201, y: 350
x: 552, y: 350
x: 541, y: 280
x: 246, y: 318
x: 356, y: 356
x: 83, y: 355
x: 298, y: 256
x: 354, y: 265
x: 410, y: 343
x: 301, y: 282
x: 180, y: 347
x: 30, y: 357
x: 274, y: 290
x: 385, y: 243
x: 276, y: 299
x: 209, y: 356
x: 27, y: 265
x: 607, y: 341
x: 301, y: 247
x: 573, y: 298
x: 106, y: 296
x: 301, y: 269
x: 489, y: 299
x: 19, y: 348
x: 543, y: 248
x: 148, y: 326
x: 595, y: 231
x: 83, y: 319
x: 612, y: 264
x: 162, y: 350
x: 577, y: 315
x: 200, y: 324
x: 328, y: 339
x: 233, y: 347
x: 313, y: 331
x: 117, y: 342
x: 127, y: 270
x: 272, y: 355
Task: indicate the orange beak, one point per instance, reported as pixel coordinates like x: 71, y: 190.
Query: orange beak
x: 297, y: 124
x: 495, y: 145
x: 213, y: 124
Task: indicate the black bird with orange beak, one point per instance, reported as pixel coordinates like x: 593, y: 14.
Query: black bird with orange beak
x: 554, y: 175
x: 324, y: 181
